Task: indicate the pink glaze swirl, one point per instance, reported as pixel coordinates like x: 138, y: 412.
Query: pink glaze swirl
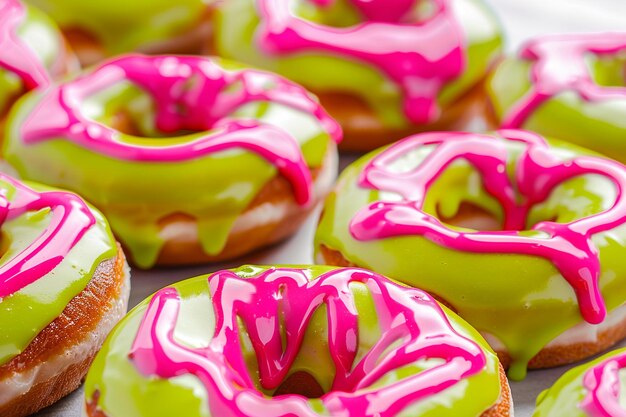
x: 421, y: 57
x: 567, y: 245
x: 14, y: 55
x: 191, y: 93
x: 70, y: 220
x: 559, y: 65
x: 603, y: 385
x: 275, y: 309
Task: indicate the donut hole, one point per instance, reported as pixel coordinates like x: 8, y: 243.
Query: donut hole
x: 5, y: 242
x: 471, y: 216
x: 312, y: 373
x: 607, y: 70
x: 460, y: 201
x: 130, y: 110
x: 300, y: 383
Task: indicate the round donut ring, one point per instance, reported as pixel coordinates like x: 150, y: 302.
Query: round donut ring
x: 506, y: 229
x: 148, y: 141
x: 382, y: 69
x: 372, y: 347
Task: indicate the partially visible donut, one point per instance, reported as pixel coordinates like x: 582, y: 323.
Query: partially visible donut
x: 302, y: 341
x: 383, y: 69
x: 571, y: 87
x: 32, y: 52
x: 63, y: 286
x: 191, y: 159
x: 594, y: 389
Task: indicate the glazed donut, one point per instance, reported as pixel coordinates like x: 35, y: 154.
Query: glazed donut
x: 302, y: 341
x: 32, y: 51
x: 191, y: 159
x: 63, y: 285
x: 382, y: 68
x: 97, y: 29
x: 590, y: 390
x: 570, y: 87
x: 506, y: 229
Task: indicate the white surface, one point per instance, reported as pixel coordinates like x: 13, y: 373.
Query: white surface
x: 522, y: 19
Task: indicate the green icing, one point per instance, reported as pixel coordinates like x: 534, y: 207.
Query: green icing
x: 600, y: 126
x: 122, y: 25
x: 42, y: 36
x: 506, y: 295
x: 125, y: 392
x: 134, y: 196
x: 237, y: 20
x: 27, y: 312
x: 563, y: 398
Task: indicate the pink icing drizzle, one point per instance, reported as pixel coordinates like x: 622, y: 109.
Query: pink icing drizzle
x: 567, y: 245
x: 603, y: 385
x: 420, y: 57
x: 70, y: 220
x: 412, y: 324
x: 191, y: 93
x: 14, y: 55
x: 559, y: 66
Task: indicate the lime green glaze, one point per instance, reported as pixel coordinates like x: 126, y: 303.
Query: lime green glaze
x: 27, y: 312
x: 563, y: 398
x: 42, y: 36
x: 506, y: 295
x: 237, y: 21
x: 126, y: 393
x: 600, y: 126
x: 136, y: 195
x: 124, y: 26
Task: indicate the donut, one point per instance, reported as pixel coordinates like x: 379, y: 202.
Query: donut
x: 191, y: 159
x: 294, y: 341
x: 570, y: 87
x: 97, y: 29
x: 383, y: 69
x: 589, y: 390
x: 505, y: 228
x: 32, y: 52
x: 63, y: 285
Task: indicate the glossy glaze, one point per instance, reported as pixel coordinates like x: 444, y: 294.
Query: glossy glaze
x: 17, y: 57
x: 366, y: 48
x: 26, y: 60
x: 559, y: 65
x: 52, y: 243
x: 559, y: 79
x: 590, y: 390
x: 521, y: 181
x: 233, y: 119
x: 371, y: 339
x: 420, y: 69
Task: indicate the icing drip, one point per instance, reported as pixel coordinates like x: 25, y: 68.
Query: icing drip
x: 603, y: 385
x: 559, y: 65
x: 567, y: 245
x: 413, y: 328
x: 420, y: 57
x: 70, y: 220
x: 14, y: 55
x: 191, y: 94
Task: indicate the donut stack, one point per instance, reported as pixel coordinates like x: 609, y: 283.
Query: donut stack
x: 482, y: 236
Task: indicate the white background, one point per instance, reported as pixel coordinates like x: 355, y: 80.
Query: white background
x: 522, y: 19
